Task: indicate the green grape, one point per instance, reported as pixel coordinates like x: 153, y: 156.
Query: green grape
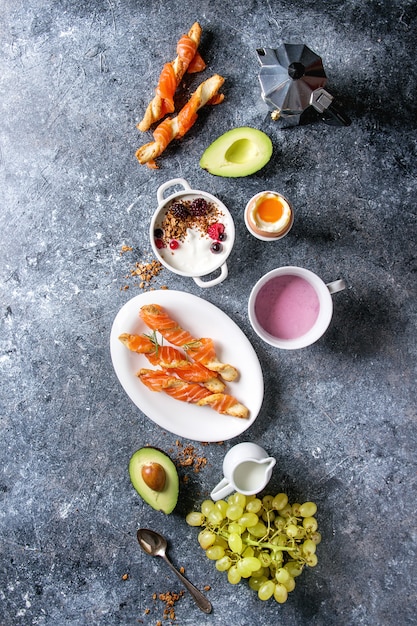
x: 265, y: 558
x: 280, y: 593
x: 215, y: 517
x: 233, y: 575
x: 308, y: 509
x: 254, y: 506
x: 222, y: 506
x: 279, y: 522
x: 294, y: 568
x: 221, y: 541
x: 280, y: 501
x: 310, y: 524
x: 259, y: 530
x: 207, y: 506
x: 296, y: 509
x: 252, y: 563
x: 268, y: 516
x: 235, y: 527
x: 195, y: 518
x: 223, y: 564
x: 286, y: 511
x: 234, y: 511
x: 289, y: 584
x: 301, y: 533
x: 280, y: 540
x: 311, y: 560
x: 282, y: 575
x: 277, y: 558
x: 235, y: 543
x: 256, y: 581
x: 316, y: 537
x: 214, y: 553
x: 266, y: 590
x: 239, y: 499
x: 291, y: 531
x: 243, y: 569
x: 248, y: 551
x: 262, y: 571
x: 308, y: 547
x: 249, y: 519
x: 267, y: 502
x: 206, y: 538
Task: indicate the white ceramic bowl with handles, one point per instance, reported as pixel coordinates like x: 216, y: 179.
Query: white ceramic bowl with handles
x: 194, y: 256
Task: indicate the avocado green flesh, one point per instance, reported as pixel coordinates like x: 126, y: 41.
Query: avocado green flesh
x: 166, y: 499
x: 239, y: 152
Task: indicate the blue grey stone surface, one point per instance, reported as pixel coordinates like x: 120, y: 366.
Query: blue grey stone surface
x: 339, y: 416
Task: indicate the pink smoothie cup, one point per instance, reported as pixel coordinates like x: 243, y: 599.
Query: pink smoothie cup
x: 291, y: 307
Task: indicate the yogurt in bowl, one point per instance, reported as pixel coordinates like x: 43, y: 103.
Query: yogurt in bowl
x: 192, y: 233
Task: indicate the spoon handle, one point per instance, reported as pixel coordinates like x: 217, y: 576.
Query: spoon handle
x: 200, y: 599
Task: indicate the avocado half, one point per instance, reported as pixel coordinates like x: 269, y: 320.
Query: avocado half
x: 239, y: 152
x: 163, y: 500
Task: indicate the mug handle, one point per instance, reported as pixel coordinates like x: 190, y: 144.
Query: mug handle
x: 336, y: 285
x: 168, y: 184
x: 215, y: 281
x: 220, y: 491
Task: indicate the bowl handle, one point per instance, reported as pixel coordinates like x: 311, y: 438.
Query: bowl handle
x: 168, y: 184
x: 215, y: 281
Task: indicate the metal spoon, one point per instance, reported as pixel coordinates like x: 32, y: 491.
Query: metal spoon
x: 155, y: 544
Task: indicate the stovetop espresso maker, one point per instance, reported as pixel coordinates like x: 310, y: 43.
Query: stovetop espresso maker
x: 292, y: 80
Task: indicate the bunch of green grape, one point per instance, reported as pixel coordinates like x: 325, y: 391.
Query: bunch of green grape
x: 267, y: 541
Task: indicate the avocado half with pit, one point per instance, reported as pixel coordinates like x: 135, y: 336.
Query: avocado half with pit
x: 239, y: 152
x: 155, y: 478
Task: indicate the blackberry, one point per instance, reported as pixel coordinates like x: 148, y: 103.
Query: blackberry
x: 179, y: 210
x: 199, y: 207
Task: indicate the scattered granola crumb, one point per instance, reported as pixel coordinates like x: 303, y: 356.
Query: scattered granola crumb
x: 147, y: 611
x: 207, y: 587
x: 182, y: 569
x: 146, y: 271
x: 170, y: 598
x: 187, y: 457
x: 125, y: 249
x: 125, y: 576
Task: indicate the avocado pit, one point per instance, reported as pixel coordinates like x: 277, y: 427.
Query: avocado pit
x: 154, y: 476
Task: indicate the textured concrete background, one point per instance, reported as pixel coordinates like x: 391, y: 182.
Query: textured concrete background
x: 339, y: 416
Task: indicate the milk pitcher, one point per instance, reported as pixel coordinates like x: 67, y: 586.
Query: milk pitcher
x: 247, y: 468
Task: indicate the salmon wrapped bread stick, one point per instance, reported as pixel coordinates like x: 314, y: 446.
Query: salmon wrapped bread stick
x: 192, y: 392
x: 201, y: 350
x: 176, y: 127
x: 171, y: 359
x: 189, y: 60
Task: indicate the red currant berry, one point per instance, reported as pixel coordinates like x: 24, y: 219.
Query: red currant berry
x: 159, y: 243
x: 173, y: 244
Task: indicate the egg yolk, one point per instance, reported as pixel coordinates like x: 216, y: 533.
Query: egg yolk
x: 270, y: 210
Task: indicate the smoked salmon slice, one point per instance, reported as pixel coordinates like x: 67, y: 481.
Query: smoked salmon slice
x: 200, y: 350
x: 172, y: 359
x: 192, y: 392
x: 170, y: 77
x: 166, y: 87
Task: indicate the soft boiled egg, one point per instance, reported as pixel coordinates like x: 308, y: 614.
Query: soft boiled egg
x: 269, y: 215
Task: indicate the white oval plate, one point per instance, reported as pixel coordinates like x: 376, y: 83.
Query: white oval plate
x: 202, y: 319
